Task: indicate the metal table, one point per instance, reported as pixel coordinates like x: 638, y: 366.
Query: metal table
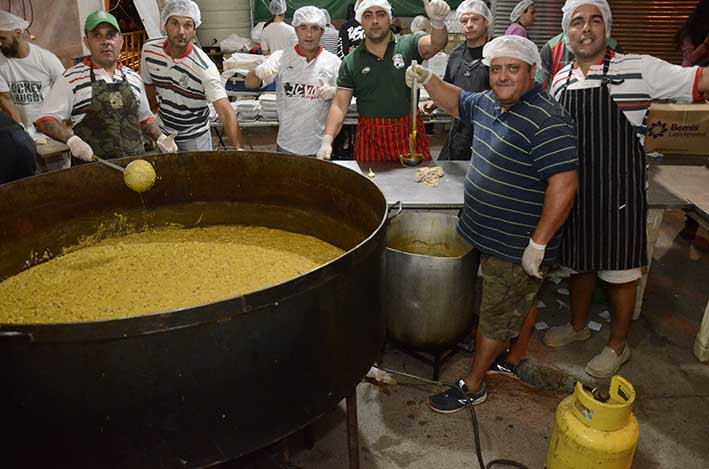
x: 398, y: 183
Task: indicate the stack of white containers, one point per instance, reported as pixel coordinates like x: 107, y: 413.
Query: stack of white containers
x: 269, y: 106
x: 247, y: 109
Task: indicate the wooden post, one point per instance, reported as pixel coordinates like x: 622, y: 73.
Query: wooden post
x: 654, y: 221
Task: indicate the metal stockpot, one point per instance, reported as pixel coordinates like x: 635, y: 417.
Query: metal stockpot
x: 428, y: 292
x: 207, y: 383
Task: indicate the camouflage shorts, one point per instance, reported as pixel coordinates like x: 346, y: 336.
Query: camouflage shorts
x: 507, y: 295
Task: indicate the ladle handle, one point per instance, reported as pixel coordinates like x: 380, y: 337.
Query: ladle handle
x: 414, y: 106
x: 109, y: 164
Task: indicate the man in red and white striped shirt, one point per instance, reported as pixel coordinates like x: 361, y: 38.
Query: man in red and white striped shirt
x: 181, y: 81
x: 608, y: 95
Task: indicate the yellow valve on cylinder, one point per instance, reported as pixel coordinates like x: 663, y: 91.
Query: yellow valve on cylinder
x: 595, y: 431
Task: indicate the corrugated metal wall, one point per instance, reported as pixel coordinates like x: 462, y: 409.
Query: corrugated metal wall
x: 641, y: 26
x: 649, y: 27
x: 223, y: 17
x: 546, y: 25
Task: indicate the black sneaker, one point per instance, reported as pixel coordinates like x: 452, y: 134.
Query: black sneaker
x: 500, y: 366
x: 452, y: 400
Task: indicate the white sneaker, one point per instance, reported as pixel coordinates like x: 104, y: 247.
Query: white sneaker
x: 559, y: 336
x: 607, y: 363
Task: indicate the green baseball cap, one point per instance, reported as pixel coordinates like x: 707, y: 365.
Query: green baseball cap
x: 98, y: 17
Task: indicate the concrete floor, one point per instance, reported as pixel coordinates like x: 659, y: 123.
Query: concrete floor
x: 398, y: 430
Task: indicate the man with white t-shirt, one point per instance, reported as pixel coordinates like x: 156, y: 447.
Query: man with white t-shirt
x: 278, y: 35
x: 27, y: 73
x: 306, y: 75
x: 181, y: 81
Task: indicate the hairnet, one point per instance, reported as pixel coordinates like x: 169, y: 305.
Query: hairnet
x: 517, y: 47
x: 182, y: 8
x: 520, y: 8
x: 309, y: 15
x: 278, y: 7
x: 10, y: 22
x: 420, y: 24
x: 364, y: 5
x: 570, y: 7
x: 328, y: 19
x: 477, y: 7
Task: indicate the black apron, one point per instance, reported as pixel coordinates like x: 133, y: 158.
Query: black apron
x: 606, y: 229
x: 470, y: 75
x: 112, y: 126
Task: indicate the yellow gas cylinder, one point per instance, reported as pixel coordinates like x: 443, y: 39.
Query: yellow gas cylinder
x: 591, y: 433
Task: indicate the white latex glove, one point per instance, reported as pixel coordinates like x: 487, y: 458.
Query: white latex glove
x: 166, y: 143
x: 533, y: 257
x: 325, y: 91
x: 437, y: 11
x: 80, y: 149
x: 325, y: 151
x: 268, y: 70
x: 423, y: 75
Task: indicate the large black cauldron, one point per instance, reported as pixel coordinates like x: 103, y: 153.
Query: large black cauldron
x: 205, y: 384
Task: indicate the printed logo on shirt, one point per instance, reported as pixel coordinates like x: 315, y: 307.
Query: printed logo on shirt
x: 26, y: 92
x: 300, y: 90
x: 366, y: 70
x: 398, y: 60
x: 115, y: 100
x: 184, y: 81
x: 355, y: 33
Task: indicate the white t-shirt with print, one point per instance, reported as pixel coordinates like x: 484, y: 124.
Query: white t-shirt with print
x: 278, y: 36
x: 302, y: 114
x: 29, y: 80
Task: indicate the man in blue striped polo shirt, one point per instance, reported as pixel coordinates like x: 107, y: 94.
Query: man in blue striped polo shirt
x: 519, y: 189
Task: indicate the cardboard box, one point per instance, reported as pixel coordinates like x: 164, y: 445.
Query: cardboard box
x: 678, y: 129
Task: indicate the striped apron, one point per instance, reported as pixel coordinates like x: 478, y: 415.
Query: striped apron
x: 386, y: 139
x: 606, y: 229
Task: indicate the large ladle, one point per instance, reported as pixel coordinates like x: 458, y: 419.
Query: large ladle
x: 412, y: 158
x: 139, y: 175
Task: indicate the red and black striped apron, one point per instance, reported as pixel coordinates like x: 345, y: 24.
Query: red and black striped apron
x: 606, y: 229
x: 383, y: 138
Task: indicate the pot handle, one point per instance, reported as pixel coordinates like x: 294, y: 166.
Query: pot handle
x: 398, y: 212
x: 17, y: 336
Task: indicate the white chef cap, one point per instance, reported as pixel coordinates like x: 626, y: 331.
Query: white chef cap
x: 520, y: 8
x: 420, y: 24
x: 328, y: 19
x: 517, y: 47
x: 477, y: 7
x: 186, y: 8
x: 571, y: 5
x: 309, y: 15
x: 278, y: 7
x: 10, y: 22
x: 364, y: 5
